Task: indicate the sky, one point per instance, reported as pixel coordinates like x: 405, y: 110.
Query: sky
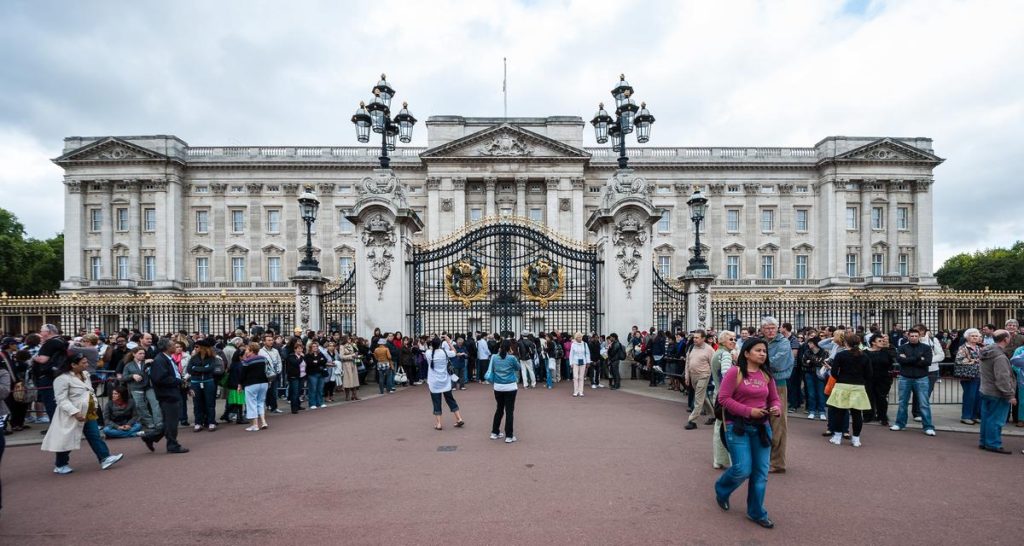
x: 723, y: 73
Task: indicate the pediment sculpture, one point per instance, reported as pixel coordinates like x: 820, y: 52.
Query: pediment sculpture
x: 505, y: 145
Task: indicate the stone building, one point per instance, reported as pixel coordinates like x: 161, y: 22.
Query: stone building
x: 153, y: 214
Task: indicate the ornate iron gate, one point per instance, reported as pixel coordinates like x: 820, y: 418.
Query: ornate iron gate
x: 338, y: 306
x: 669, y: 305
x: 505, y: 276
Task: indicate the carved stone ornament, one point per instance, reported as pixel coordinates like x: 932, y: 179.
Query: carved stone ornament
x: 565, y: 204
x: 447, y: 204
x: 883, y: 154
x: 627, y: 184
x: 702, y: 305
x: 73, y: 186
x: 716, y: 189
x: 785, y: 189
x: 304, y: 311
x: 543, y: 282
x: 117, y: 153
x: 218, y: 189
x: 504, y: 145
x: 379, y: 237
x: 254, y: 188
x: 380, y: 268
x: 382, y: 184
x: 922, y: 185
x: 378, y: 232
x: 290, y: 189
x: 466, y: 281
x: 629, y: 236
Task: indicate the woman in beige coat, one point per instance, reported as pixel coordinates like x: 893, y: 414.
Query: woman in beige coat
x: 77, y: 413
x: 349, y: 370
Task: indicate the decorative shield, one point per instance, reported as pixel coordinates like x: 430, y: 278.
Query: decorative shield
x: 543, y: 282
x: 466, y: 281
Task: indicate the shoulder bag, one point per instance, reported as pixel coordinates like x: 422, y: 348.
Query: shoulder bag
x: 400, y: 376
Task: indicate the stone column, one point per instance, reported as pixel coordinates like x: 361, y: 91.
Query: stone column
x: 923, y: 223
x: 135, y: 219
x: 308, y: 290
x: 459, y: 194
x: 433, y: 208
x: 552, y: 202
x: 839, y: 262
x: 866, y: 229
x: 489, y: 183
x: 107, y: 236
x: 698, y: 299
x: 521, y: 196
x: 75, y: 217
x: 578, y: 215
x: 165, y: 258
x: 892, y: 231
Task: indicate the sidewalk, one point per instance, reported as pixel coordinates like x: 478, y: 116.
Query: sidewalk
x: 946, y: 417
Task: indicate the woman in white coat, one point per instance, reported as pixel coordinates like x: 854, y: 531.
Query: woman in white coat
x: 439, y: 381
x: 579, y: 356
x: 77, y: 413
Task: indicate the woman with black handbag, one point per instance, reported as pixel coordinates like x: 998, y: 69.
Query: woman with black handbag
x: 439, y: 379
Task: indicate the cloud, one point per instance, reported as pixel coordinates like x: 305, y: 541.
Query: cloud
x: 784, y: 73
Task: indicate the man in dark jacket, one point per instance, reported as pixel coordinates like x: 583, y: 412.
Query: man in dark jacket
x: 596, y: 362
x: 616, y: 354
x: 914, y: 358
x: 167, y: 386
x: 997, y: 392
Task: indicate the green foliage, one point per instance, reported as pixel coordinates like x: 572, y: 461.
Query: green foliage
x: 28, y: 266
x: 995, y: 268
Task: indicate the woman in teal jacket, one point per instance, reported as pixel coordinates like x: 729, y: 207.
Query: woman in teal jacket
x: 502, y: 374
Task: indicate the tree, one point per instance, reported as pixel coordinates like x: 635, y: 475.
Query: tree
x: 994, y: 268
x: 28, y: 267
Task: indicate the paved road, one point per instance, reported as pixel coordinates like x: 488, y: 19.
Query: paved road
x: 611, y: 468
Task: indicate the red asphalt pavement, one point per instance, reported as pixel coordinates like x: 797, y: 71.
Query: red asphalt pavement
x: 610, y: 468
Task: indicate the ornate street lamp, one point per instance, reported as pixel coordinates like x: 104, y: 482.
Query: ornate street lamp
x: 377, y: 116
x: 308, y: 206
x: 628, y: 116
x: 698, y: 208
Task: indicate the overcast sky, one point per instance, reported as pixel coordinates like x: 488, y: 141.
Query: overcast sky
x: 724, y: 73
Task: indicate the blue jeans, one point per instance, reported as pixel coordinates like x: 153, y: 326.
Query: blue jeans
x: 295, y: 393
x: 46, y: 396
x: 386, y: 380
x: 971, y: 406
x: 481, y: 368
x: 449, y: 399
x: 91, y: 430
x: 994, y: 411
x: 749, y: 460
x: 920, y: 387
x: 315, y: 389
x: 113, y: 432
x: 460, y: 370
x: 815, y: 393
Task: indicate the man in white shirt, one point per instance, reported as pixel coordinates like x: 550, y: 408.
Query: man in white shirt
x: 483, y: 357
x: 273, y: 357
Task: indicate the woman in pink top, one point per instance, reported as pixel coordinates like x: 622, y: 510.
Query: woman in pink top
x: 748, y: 396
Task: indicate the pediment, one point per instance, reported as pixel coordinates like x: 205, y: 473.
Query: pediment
x: 880, y: 245
x: 665, y: 248
x: 344, y: 250
x: 119, y: 247
x: 201, y: 249
x: 505, y: 142
x: 735, y: 247
x: 237, y: 249
x: 272, y: 249
x: 889, y: 150
x: 110, y: 149
x: 803, y: 247
x: 768, y: 247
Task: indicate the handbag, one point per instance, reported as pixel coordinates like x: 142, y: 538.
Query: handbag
x: 400, y: 376
x: 830, y: 384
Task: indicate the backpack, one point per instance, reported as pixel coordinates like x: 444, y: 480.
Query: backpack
x: 559, y: 351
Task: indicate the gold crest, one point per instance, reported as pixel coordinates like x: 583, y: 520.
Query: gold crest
x: 543, y: 282
x: 466, y: 281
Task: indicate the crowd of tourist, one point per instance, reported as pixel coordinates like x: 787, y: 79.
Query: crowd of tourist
x: 744, y: 385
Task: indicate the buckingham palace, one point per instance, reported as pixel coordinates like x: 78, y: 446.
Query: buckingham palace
x: 151, y: 217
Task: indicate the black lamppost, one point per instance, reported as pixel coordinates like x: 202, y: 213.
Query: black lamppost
x: 626, y: 118
x: 377, y: 116
x: 698, y: 207
x: 308, y: 206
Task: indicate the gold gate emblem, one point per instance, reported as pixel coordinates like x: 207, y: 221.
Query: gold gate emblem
x: 543, y: 282
x: 466, y: 281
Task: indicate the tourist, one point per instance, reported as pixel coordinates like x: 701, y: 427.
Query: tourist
x: 316, y: 365
x: 167, y: 384
x: 967, y: 368
x: 814, y: 358
x: 333, y: 370
x: 594, y: 349
x: 234, y: 407
x: 407, y: 356
x: 201, y: 369
x: 501, y: 371
x: 17, y: 363
x: 655, y: 350
x: 794, y: 385
x: 914, y: 358
x: 295, y: 373
x: 720, y: 365
x: 527, y: 350
x: 269, y: 351
x: 1016, y: 338
x: 459, y: 364
x: 121, y: 416
x: 997, y: 392
x: 76, y: 414
x: 849, y: 397
x: 616, y: 354
x: 748, y: 397
x: 51, y: 356
x: 136, y: 375
x: 254, y: 382
x: 439, y: 381
x: 385, y: 367
x: 782, y: 356
x: 579, y: 356
x: 180, y: 359
x: 937, y: 356
x: 882, y: 358
x: 483, y: 357
x: 696, y: 376
x: 349, y: 370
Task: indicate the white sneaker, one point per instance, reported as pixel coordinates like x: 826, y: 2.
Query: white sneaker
x: 930, y: 432
x: 63, y: 470
x: 313, y: 407
x: 895, y: 427
x: 111, y: 461
x: 593, y: 386
x: 918, y: 419
x: 44, y: 420
x: 837, y: 439
x: 812, y: 416
x: 575, y: 394
x: 856, y: 441
x: 824, y: 417
x: 511, y: 439
x: 600, y: 385
x: 497, y: 436
x: 581, y: 395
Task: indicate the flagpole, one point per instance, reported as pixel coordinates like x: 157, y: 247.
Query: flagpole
x: 504, y: 84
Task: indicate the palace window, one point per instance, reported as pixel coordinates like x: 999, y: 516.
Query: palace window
x: 237, y: 189
x: 95, y: 267
x: 732, y: 220
x: 877, y: 218
x: 594, y: 189
x: 801, y: 219
x: 149, y: 268
x: 767, y: 220
x: 238, y: 269
x: 665, y: 223
x: 732, y: 267
x: 851, y: 217
x: 877, y: 264
x: 122, y: 219
x: 903, y: 218
x: 345, y: 225
x: 801, y: 266
x: 665, y: 266
x: 851, y: 265
x: 904, y: 265
x: 475, y: 215
x: 767, y: 189
x: 536, y: 214
x: 149, y: 219
x: 202, y: 221
x: 122, y: 267
x: 274, y: 221
x: 505, y: 211
x: 274, y: 268
x: 732, y: 188
x: 767, y: 267
x: 203, y: 269
x: 201, y: 189
x: 237, y: 221
x: 800, y: 189
x: 344, y: 267
x: 95, y: 220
